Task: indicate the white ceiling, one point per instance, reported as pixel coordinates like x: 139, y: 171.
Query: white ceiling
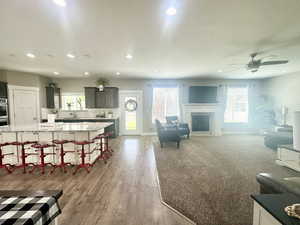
x: 203, y: 37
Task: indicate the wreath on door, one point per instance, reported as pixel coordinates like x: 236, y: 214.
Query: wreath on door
x: 131, y: 105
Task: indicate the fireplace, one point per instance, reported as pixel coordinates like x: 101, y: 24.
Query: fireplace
x: 203, y: 119
x: 200, y: 122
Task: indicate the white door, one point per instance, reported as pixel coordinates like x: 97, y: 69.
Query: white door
x: 24, y: 107
x: 131, y: 106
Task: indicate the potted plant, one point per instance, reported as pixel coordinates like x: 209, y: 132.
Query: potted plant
x: 79, y: 101
x: 51, y: 84
x: 101, y: 84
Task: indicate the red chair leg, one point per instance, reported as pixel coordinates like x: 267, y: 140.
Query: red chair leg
x: 43, y: 155
x: 4, y: 166
x: 83, y: 164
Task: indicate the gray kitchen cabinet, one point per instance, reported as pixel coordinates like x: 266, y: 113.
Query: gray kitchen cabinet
x: 53, y: 97
x: 109, y: 98
x: 90, y: 97
x: 3, y: 89
x: 101, y: 99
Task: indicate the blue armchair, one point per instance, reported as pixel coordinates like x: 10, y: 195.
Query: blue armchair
x: 167, y: 134
x: 183, y: 128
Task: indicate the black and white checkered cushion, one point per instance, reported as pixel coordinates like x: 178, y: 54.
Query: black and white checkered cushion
x: 28, y: 210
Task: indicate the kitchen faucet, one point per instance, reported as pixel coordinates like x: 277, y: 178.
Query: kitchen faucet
x: 73, y: 114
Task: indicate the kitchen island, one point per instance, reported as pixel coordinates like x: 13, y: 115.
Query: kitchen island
x: 46, y: 133
x: 114, y: 128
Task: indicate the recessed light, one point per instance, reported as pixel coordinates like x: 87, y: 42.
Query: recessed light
x: 61, y: 3
x: 220, y: 71
x: 171, y: 11
x: 30, y: 55
x: 56, y: 73
x: 118, y: 73
x: 86, y: 73
x: 71, y: 56
x: 128, y: 56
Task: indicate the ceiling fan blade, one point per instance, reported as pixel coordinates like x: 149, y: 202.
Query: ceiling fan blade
x: 269, y: 57
x: 267, y: 63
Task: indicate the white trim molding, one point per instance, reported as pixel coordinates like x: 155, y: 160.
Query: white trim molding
x: 149, y: 134
x: 215, y: 112
x: 141, y: 105
x: 11, y: 89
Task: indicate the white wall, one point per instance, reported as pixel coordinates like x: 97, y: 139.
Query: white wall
x: 77, y: 85
x: 27, y: 80
x: 284, y: 91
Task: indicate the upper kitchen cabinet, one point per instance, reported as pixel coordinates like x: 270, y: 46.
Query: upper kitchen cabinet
x: 90, y: 97
x: 109, y: 98
x: 3, y: 90
x: 53, y: 97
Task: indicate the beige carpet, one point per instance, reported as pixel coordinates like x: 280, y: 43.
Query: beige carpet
x: 210, y: 179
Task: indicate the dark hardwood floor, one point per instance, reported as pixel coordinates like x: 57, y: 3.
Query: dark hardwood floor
x: 124, y: 191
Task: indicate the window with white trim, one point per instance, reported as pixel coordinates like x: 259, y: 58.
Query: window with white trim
x: 73, y: 101
x: 237, y: 106
x: 165, y: 103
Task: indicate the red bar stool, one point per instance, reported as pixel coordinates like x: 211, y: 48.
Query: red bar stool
x: 99, y: 147
x: 2, y: 155
x: 83, y: 154
x: 107, y: 149
x: 41, y: 149
x: 62, y: 165
x: 24, y: 155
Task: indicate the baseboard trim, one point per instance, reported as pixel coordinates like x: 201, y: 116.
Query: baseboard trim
x: 239, y: 132
x: 164, y: 203
x: 170, y: 207
x: 149, y: 134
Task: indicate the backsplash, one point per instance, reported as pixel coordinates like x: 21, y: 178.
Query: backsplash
x: 88, y: 113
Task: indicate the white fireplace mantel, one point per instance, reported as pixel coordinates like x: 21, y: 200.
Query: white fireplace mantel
x: 216, y: 114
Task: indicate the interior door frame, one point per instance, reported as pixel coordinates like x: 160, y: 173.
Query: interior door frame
x: 140, y: 106
x: 11, y: 90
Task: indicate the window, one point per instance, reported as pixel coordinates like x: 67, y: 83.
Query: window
x: 165, y: 103
x: 73, y: 101
x: 236, y: 105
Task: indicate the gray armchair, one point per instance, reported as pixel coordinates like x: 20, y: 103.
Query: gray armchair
x: 183, y: 128
x: 167, y: 134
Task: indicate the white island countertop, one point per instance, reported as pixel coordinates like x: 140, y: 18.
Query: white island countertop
x: 58, y: 127
x: 86, y: 118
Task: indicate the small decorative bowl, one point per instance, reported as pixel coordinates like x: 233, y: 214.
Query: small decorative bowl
x: 293, y: 210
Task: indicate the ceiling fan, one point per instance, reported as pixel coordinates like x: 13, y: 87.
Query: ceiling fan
x: 255, y: 64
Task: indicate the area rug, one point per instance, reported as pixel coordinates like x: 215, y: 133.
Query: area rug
x: 210, y: 179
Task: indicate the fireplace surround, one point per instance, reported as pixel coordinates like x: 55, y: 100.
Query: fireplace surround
x: 213, y: 111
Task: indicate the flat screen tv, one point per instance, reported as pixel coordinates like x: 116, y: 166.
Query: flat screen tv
x: 203, y: 94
